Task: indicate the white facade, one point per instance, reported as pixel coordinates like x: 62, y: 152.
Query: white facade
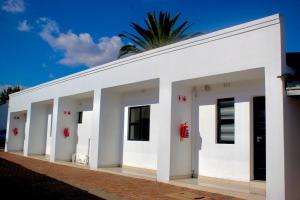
x: 242, y: 62
x: 141, y: 154
x: 230, y: 161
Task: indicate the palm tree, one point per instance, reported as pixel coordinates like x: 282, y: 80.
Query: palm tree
x: 158, y: 32
x: 4, y: 95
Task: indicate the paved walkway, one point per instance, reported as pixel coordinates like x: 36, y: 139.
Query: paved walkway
x: 110, y: 186
x: 17, y: 182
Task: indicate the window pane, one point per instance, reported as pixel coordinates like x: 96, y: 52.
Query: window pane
x: 228, y: 137
x: 227, y: 128
x: 134, y: 131
x: 139, y: 123
x: 145, y: 123
x: 134, y: 115
x: 226, y: 120
x: 226, y: 102
x: 227, y: 112
x: 145, y: 130
x: 146, y: 112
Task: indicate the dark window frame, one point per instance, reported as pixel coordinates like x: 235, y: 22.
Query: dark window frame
x: 219, y: 121
x: 80, y: 115
x: 140, y: 124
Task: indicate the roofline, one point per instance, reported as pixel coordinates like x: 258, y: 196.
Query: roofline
x: 198, y: 40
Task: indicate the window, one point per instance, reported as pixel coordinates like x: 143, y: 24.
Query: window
x: 80, y: 118
x: 139, y: 120
x: 225, y: 121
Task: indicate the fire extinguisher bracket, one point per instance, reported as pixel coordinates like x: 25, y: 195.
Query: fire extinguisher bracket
x: 15, y: 131
x: 66, y: 132
x: 184, y: 131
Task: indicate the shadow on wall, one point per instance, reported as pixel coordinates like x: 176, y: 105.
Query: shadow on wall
x: 197, y: 139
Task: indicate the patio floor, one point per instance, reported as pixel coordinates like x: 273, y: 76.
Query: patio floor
x: 107, y: 185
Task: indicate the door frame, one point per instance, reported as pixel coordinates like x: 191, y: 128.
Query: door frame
x: 252, y: 139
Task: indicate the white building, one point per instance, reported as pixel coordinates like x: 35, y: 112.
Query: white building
x: 225, y: 85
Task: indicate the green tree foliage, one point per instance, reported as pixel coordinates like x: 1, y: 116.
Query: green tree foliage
x: 4, y: 95
x: 160, y: 30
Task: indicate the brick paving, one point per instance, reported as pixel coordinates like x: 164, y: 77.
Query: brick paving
x: 111, y: 186
x: 17, y: 182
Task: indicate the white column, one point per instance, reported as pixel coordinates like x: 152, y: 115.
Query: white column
x: 7, y: 130
x: 96, y: 130
x: 55, y: 117
x: 27, y: 130
x: 164, y: 142
x: 275, y: 161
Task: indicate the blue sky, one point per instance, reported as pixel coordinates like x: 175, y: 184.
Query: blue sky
x: 47, y: 39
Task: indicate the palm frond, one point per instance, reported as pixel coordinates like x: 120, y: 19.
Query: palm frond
x: 4, y: 95
x: 159, y: 30
x: 137, y: 40
x: 126, y: 49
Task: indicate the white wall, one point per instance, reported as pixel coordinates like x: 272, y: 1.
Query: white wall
x: 180, y: 150
x: 141, y: 154
x: 3, y: 116
x: 39, y: 133
x: 84, y: 133
x: 79, y: 139
x: 228, y: 161
x: 110, y: 137
x: 84, y: 130
x: 66, y: 147
x: 16, y: 143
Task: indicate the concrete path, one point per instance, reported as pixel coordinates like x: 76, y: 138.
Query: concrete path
x: 110, y: 186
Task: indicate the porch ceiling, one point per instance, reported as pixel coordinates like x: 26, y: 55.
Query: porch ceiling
x: 143, y: 85
x: 253, y: 74
x: 20, y: 112
x: 80, y: 96
x: 47, y: 102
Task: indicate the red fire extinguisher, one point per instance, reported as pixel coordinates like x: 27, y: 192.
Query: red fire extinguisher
x: 66, y: 132
x: 184, y: 131
x: 15, y: 131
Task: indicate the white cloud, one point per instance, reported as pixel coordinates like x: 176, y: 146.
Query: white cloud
x: 13, y: 6
x: 24, y: 26
x: 79, y: 49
